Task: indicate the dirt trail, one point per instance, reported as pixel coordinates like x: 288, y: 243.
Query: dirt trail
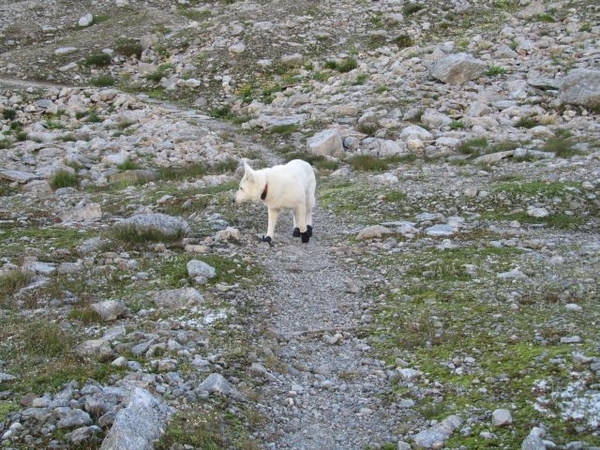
x: 330, y: 392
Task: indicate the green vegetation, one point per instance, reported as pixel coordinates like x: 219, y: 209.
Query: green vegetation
x: 412, y: 8
x: 97, y: 59
x: 64, y: 178
x: 103, y: 81
x: 159, y: 73
x: 343, y: 66
x: 493, y: 71
x: 9, y: 114
x: 128, y: 47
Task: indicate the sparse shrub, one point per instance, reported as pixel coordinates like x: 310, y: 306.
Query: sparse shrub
x: 403, y: 41
x: 412, y: 8
x: 493, y: 71
x: 284, y: 130
x: 181, y: 173
x: 46, y: 339
x: 103, y: 81
x: 21, y: 135
x: 526, y: 122
x: 361, y: 79
x: 9, y: 114
x: 70, y: 137
x: 381, y: 89
x: 134, y: 235
x: 5, y: 143
x: 97, y: 59
x: 159, y: 73
x: 12, y: 281
x: 457, y: 125
x: 129, y: 47
x: 63, y: 178
x: 473, y: 146
x: 128, y: 165
x: 54, y: 124
x: 367, y: 163
x: 221, y: 112
x: 94, y: 117
x: 347, y: 65
x: 85, y: 315
x: 562, y: 147
x: 369, y: 128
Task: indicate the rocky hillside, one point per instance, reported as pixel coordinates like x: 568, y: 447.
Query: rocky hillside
x: 449, y: 297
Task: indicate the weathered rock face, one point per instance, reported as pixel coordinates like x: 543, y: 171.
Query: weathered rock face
x: 581, y: 87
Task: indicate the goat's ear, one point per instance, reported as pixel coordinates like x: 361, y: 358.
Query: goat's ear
x: 247, y: 169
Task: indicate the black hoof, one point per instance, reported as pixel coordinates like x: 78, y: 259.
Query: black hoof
x: 309, y: 230
x: 266, y: 239
x: 305, y: 237
x: 296, y: 232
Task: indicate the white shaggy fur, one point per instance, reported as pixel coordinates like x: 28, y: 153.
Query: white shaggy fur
x: 283, y: 187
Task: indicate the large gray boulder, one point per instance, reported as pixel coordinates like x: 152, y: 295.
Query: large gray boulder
x: 139, y: 424
x: 458, y: 68
x: 581, y: 87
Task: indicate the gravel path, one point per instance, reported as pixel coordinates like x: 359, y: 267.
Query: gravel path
x: 330, y: 392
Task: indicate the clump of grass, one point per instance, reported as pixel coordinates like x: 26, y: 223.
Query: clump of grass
x: 129, y: 47
x: 103, y: 81
x: 284, y: 130
x: 85, y: 315
x: 494, y: 70
x: 403, y: 41
x: 5, y: 143
x: 128, y: 165
x: 64, y: 178
x: 9, y: 114
x: 46, y: 339
x: 12, y: 282
x: 318, y: 161
x: 97, y: 59
x: 94, y: 117
x: 367, y: 163
x: 361, y: 79
x: 183, y: 172
x: 526, y: 122
x: 369, y: 128
x: 412, y: 8
x: 159, y: 73
x: 457, y: 125
x: 135, y: 235
x: 474, y: 146
x: 343, y: 66
x: 561, y: 147
x: 222, y: 112
x: 21, y: 135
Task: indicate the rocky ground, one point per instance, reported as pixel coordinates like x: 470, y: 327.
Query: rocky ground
x: 449, y: 296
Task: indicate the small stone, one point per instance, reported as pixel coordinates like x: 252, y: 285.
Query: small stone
x: 501, y: 418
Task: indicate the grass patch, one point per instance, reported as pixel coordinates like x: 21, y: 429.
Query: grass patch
x: 129, y: 47
x: 128, y: 165
x: 411, y: 8
x: 284, y: 130
x: 209, y: 426
x: 103, y: 81
x: 369, y: 163
x: 97, y: 59
x: 9, y: 114
x: 474, y: 147
x: 64, y: 178
x: 527, y: 122
x: 494, y: 71
x: 132, y: 234
x: 10, y: 284
x: 562, y: 147
x: 343, y: 66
